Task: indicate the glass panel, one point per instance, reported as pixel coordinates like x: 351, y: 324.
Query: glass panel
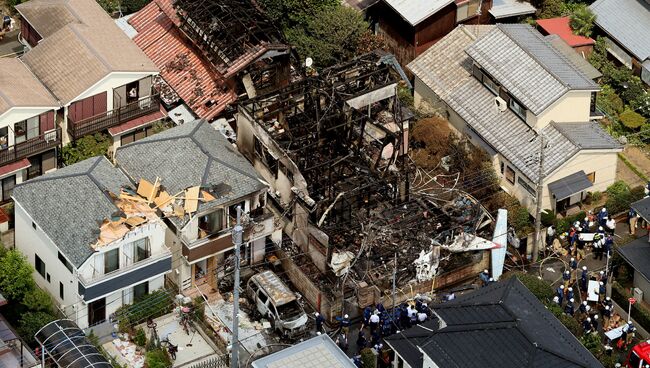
x: 34, y: 170
x: 141, y: 250
x: 111, y: 260
x: 20, y: 131
x: 211, y: 223
x: 4, y: 137
x: 33, y: 127
x: 518, y: 109
x: 8, y: 185
x: 39, y: 265
x: 510, y: 174
x: 140, y: 290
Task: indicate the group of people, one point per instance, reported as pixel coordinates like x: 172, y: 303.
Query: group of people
x: 601, y: 228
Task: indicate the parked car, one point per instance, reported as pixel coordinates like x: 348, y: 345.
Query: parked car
x: 276, y: 302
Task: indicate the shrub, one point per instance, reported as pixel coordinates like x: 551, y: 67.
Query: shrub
x: 548, y: 218
x: 86, y: 147
x: 551, y: 9
x: 38, y: 300
x: 631, y: 119
x: 157, y: 359
x: 15, y: 276
x: 582, y: 21
x: 609, y: 101
x: 153, y: 305
x: 31, y: 322
x: 539, y: 288
x: 620, y: 197
x: 368, y: 358
x: 132, y: 6
x: 639, y: 313
x: 596, y: 196
x: 140, y: 338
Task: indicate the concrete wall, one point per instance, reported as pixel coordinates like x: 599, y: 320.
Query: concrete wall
x: 574, y: 106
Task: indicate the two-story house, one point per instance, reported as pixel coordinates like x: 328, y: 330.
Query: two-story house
x: 28, y: 135
x: 100, y: 78
x: 91, y: 250
x: 195, y: 162
x: 510, y: 91
x: 625, y: 24
x: 410, y: 27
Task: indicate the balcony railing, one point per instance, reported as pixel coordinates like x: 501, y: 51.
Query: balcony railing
x: 88, y: 281
x: 109, y: 119
x: 32, y: 146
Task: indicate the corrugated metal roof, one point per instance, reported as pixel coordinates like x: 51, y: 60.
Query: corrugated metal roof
x: 510, y: 8
x: 570, y: 185
x: 317, y: 352
x: 637, y: 253
x: 627, y: 21
x: 415, y: 11
x: 560, y: 26
x: 528, y: 66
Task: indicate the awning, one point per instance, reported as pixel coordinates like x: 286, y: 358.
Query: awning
x: 570, y: 185
x: 642, y: 207
x: 66, y: 344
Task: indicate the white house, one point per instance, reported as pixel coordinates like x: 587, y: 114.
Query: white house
x: 510, y: 91
x: 28, y: 135
x: 92, y: 251
x: 100, y: 78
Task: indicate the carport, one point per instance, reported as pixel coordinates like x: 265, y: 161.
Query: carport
x: 68, y: 347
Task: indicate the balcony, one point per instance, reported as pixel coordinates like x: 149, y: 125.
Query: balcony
x: 108, y: 119
x: 31, y: 147
x: 133, y: 274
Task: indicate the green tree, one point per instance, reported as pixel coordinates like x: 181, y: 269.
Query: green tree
x: 609, y: 101
x: 86, y: 147
x: 331, y: 36
x: 551, y: 9
x: 31, y: 322
x: 38, y: 300
x: 295, y: 13
x: 632, y: 119
x: 15, y: 276
x: 157, y: 359
x: 582, y: 21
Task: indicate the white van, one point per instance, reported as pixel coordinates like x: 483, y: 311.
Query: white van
x: 277, y: 303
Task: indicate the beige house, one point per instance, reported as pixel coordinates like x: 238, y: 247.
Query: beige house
x: 510, y: 91
x: 100, y: 78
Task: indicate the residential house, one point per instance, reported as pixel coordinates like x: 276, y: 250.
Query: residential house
x: 100, y: 78
x: 637, y: 255
x: 91, y: 250
x: 209, y: 54
x: 511, y: 92
x: 626, y: 25
x: 560, y: 26
x: 576, y: 58
x: 410, y: 27
x: 28, y: 136
x: 317, y: 352
x: 500, y: 325
x: 195, y: 155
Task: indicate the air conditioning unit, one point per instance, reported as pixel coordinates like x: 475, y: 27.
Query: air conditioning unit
x: 500, y: 103
x: 638, y: 294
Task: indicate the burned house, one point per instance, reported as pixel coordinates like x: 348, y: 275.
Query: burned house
x: 210, y: 53
x: 333, y: 149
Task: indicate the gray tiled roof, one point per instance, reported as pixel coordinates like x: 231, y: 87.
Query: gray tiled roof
x: 317, y: 352
x: 576, y: 58
x: 68, y: 203
x: 637, y: 254
x: 628, y: 22
x: 527, y: 65
x: 189, y: 155
x: 587, y: 135
x: 504, y: 324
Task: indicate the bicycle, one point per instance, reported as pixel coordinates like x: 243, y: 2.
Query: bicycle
x: 171, y: 348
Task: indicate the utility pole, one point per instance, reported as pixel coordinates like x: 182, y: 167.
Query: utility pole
x: 538, y: 210
x: 394, y: 277
x: 237, y: 237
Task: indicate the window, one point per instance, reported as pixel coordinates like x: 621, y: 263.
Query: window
x: 526, y: 186
x: 262, y: 297
x: 140, y: 290
x: 8, y: 185
x: 211, y: 223
x: 36, y: 169
x: 490, y: 84
x: 111, y: 260
x: 39, y: 265
x: 232, y: 212
x: 4, y: 137
x: 467, y: 10
x: 592, y: 177
x: 27, y: 129
x: 518, y: 109
x: 510, y: 174
x: 136, y: 135
x: 502, y: 165
x: 285, y: 170
x: 266, y: 157
x: 141, y: 250
x: 65, y: 262
x: 592, y: 103
x: 61, y: 290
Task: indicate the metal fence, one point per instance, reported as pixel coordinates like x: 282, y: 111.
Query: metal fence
x: 216, y: 362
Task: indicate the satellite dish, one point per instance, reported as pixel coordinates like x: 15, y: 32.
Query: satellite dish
x: 309, y: 62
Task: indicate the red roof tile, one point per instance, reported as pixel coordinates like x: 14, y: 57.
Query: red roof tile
x: 137, y: 122
x: 181, y: 64
x: 13, y: 167
x: 560, y: 27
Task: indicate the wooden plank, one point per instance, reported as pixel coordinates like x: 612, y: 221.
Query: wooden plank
x: 148, y: 190
x: 191, y: 199
x: 163, y: 199
x: 132, y: 198
x: 135, y: 221
x: 207, y: 197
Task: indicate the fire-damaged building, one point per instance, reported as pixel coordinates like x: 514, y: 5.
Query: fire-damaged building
x: 210, y: 53
x: 333, y: 148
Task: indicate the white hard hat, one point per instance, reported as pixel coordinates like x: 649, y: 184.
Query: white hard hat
x: 586, y: 218
x: 596, y: 316
x: 572, y: 259
x: 561, y: 286
x: 607, y: 307
x: 570, y: 289
x: 584, y: 268
x: 588, y: 319
x: 346, y: 316
x: 316, y: 314
x: 572, y: 300
x: 492, y: 279
x: 600, y: 228
x: 603, y: 210
x: 584, y: 302
x: 588, y: 308
x: 601, y: 283
x: 608, y: 298
x: 485, y: 271
x: 602, y: 272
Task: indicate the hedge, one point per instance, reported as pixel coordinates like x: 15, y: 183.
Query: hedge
x: 153, y: 305
x: 639, y: 313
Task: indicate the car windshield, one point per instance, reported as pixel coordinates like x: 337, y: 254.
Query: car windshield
x: 635, y: 361
x: 290, y: 310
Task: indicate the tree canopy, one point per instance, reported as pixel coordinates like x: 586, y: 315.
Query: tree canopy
x: 582, y: 21
x: 15, y: 276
